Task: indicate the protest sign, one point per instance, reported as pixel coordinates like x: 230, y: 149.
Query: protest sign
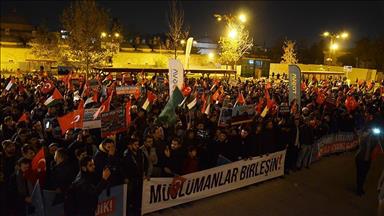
x: 159, y: 193
x: 294, y: 73
x: 225, y: 117
x: 121, y: 90
x: 242, y: 114
x: 88, y: 121
x: 112, y: 122
x: 112, y: 202
x: 333, y: 143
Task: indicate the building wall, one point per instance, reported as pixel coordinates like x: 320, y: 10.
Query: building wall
x: 13, y: 58
x: 356, y: 73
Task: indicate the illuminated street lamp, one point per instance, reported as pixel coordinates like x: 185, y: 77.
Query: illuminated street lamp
x: 334, y: 46
x: 333, y: 42
x: 182, y: 42
x: 103, y: 34
x: 117, y: 35
x: 232, y: 33
x: 242, y: 18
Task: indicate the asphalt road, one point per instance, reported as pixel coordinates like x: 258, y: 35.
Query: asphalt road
x: 327, y: 188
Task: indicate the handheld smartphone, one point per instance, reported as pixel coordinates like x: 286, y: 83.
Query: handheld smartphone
x: 47, y: 125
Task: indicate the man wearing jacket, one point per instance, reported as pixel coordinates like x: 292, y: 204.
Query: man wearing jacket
x: 306, y: 139
x: 83, y: 194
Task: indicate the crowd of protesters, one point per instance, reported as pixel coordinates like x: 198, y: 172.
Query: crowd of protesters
x: 80, y: 164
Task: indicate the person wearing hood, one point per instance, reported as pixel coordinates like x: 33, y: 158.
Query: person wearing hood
x: 106, y: 156
x: 83, y: 194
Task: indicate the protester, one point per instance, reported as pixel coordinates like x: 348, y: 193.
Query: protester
x: 82, y: 195
x: 189, y: 140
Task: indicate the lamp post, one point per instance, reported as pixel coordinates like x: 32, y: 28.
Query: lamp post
x: 111, y: 42
x: 334, y: 45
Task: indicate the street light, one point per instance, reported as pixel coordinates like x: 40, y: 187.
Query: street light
x: 333, y: 39
x: 211, y: 55
x: 334, y: 46
x: 232, y: 33
x: 344, y: 35
x: 103, y: 34
x: 242, y: 18
x: 182, y: 42
x: 117, y: 35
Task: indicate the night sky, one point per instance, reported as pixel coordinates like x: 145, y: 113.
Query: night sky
x: 268, y: 20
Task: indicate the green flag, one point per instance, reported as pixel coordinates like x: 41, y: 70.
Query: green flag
x: 168, y: 115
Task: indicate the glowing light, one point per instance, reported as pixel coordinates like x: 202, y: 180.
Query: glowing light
x: 103, y: 34
x: 326, y: 34
x: 242, y: 18
x: 232, y: 34
x: 334, y: 46
x: 344, y: 35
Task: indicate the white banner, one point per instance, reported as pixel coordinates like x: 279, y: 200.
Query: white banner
x: 188, y: 51
x: 176, y: 75
x: 160, y: 193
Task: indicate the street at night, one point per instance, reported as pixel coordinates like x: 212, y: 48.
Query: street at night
x: 326, y: 189
x: 189, y: 108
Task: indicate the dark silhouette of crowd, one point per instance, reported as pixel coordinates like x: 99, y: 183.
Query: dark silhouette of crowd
x: 80, y: 162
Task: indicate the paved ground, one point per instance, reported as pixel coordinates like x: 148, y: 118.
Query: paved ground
x: 327, y: 188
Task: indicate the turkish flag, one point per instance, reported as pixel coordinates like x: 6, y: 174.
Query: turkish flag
x: 351, y: 104
x: 240, y: 99
x: 24, y: 117
x: 104, y: 106
x: 48, y: 86
x: 320, y: 98
x: 39, y: 167
x: 66, y: 122
x: 128, y: 113
x: 79, y: 115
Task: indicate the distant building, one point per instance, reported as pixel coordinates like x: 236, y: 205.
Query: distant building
x: 15, y: 30
x: 205, y: 46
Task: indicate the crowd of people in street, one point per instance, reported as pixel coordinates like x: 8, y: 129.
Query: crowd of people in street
x: 80, y: 163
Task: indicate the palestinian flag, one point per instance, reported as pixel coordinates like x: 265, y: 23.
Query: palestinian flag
x: 54, y: 98
x: 168, y: 114
x: 206, y: 105
x: 192, y: 100
x: 240, y: 99
x: 10, y: 84
x: 150, y: 98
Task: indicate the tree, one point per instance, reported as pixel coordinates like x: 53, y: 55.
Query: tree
x: 176, y: 25
x: 45, y: 46
x: 85, y: 21
x: 289, y: 56
x: 235, y: 44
